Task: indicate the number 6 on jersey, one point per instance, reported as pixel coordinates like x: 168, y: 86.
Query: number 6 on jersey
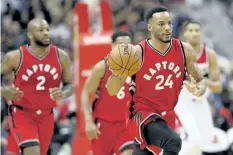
x: 121, y: 93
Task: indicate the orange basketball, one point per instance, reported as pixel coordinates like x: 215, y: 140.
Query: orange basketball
x: 125, y: 59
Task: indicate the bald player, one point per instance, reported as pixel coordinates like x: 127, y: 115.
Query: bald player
x: 39, y: 69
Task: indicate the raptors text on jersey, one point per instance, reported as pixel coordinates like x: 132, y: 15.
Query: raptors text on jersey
x: 160, y: 79
x: 35, y: 76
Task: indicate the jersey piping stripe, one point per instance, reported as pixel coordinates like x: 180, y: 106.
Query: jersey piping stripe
x: 184, y: 58
x: 94, y: 104
x: 157, y: 51
x: 39, y: 58
x: 142, y: 54
x: 59, y: 59
x: 21, y: 60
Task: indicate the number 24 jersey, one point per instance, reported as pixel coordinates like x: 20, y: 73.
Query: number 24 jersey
x: 160, y: 79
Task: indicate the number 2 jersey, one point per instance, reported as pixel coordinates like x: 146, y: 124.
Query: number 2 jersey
x: 111, y: 108
x: 159, y: 81
x: 35, y: 76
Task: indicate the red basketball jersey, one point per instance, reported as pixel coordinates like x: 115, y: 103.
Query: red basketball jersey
x: 160, y: 79
x: 111, y: 108
x: 35, y: 76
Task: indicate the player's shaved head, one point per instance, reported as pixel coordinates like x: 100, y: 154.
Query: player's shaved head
x: 35, y: 23
x: 38, y: 32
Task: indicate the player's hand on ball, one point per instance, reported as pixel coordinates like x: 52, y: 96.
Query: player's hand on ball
x: 124, y: 60
x: 11, y: 93
x: 56, y: 93
x: 92, y: 130
x: 125, y: 74
x: 193, y: 87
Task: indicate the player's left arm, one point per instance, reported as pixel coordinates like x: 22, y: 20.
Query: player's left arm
x: 214, y: 82
x: 197, y: 84
x: 66, y: 74
x: 67, y: 89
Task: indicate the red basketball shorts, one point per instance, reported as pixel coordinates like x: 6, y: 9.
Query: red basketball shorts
x: 30, y: 127
x: 114, y: 138
x: 143, y: 117
x: 12, y: 147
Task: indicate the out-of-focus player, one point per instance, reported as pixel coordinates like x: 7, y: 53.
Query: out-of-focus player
x: 39, y: 70
x: 157, y: 84
x: 194, y: 112
x: 105, y: 125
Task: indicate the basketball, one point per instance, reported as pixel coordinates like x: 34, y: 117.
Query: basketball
x: 124, y: 59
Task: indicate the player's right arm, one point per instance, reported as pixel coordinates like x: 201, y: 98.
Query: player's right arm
x: 214, y: 82
x: 196, y: 84
x: 10, y: 63
x: 115, y: 82
x: 90, y: 87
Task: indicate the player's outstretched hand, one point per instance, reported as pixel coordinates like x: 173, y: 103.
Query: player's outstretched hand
x: 92, y: 130
x: 56, y: 93
x: 11, y: 93
x: 193, y: 87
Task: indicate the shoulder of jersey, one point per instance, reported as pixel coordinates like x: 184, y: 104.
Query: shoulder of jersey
x: 176, y: 40
x: 143, y: 43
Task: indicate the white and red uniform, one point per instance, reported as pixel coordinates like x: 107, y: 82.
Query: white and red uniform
x: 195, y: 112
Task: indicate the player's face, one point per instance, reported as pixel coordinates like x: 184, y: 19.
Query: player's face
x: 192, y: 34
x: 160, y: 26
x: 122, y: 39
x: 41, y: 35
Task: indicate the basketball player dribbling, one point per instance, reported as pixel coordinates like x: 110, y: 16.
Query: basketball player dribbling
x: 156, y: 84
x: 105, y: 125
x: 39, y: 70
x: 195, y: 112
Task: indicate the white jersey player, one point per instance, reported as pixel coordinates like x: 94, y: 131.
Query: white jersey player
x: 194, y: 112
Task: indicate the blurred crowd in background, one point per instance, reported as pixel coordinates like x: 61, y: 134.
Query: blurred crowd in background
x: 17, y: 13
x: 217, y: 33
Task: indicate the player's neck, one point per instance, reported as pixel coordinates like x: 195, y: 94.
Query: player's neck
x: 197, y: 48
x: 38, y: 50
x: 160, y: 46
